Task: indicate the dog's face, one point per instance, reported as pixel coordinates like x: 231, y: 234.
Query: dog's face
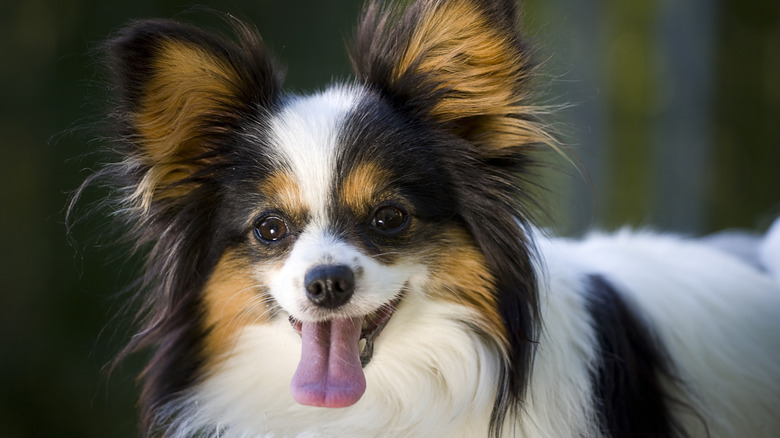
x: 343, y: 224
x: 351, y: 210
x: 336, y: 213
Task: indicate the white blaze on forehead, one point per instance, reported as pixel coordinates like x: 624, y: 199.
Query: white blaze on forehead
x: 305, y: 134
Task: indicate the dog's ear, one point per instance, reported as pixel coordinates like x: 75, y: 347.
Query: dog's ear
x: 180, y: 91
x: 459, y: 63
x: 461, y: 66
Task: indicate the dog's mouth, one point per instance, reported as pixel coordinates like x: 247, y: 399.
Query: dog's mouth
x: 333, y: 355
x: 371, y: 327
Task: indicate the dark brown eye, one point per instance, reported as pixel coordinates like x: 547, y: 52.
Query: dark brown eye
x: 270, y: 229
x: 389, y: 219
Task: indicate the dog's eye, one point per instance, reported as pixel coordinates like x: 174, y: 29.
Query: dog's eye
x: 270, y: 229
x: 389, y: 219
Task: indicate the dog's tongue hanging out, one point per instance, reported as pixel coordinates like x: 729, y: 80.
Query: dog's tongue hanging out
x: 329, y: 373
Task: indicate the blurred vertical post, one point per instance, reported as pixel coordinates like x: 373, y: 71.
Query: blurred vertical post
x: 632, y: 98
x: 745, y: 178
x: 683, y: 117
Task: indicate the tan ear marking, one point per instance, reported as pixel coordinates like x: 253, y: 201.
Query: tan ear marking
x: 467, y: 55
x: 188, y: 85
x: 188, y: 89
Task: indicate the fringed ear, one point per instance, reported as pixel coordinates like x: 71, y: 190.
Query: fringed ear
x: 180, y: 92
x: 182, y: 97
x: 460, y: 63
x: 460, y: 66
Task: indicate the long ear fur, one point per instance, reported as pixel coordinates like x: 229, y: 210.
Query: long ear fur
x: 460, y: 63
x: 181, y: 98
x: 460, y: 66
x: 181, y: 90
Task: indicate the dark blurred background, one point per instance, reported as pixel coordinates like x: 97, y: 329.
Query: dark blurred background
x: 674, y: 108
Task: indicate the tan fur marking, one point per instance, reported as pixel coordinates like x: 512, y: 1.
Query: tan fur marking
x: 362, y: 186
x: 232, y: 301
x: 458, y: 47
x: 283, y: 193
x: 188, y: 85
x: 462, y: 276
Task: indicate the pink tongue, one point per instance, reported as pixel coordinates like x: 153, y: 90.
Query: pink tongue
x: 329, y: 373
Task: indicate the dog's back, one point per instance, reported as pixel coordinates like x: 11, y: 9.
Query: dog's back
x: 711, y: 314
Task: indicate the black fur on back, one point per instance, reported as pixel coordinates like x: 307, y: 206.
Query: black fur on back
x: 634, y: 372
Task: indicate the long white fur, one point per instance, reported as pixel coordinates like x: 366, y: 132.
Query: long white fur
x: 432, y: 376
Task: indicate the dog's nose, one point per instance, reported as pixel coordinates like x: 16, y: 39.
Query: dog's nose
x: 330, y: 286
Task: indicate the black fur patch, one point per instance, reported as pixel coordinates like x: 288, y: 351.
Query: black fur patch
x: 630, y: 397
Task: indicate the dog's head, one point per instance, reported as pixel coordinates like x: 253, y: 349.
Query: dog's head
x: 336, y: 211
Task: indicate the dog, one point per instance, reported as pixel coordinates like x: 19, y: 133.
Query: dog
x: 362, y: 261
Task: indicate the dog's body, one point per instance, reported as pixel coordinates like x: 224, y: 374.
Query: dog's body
x: 358, y: 262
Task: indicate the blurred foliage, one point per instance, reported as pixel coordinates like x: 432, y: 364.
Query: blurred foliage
x: 611, y: 59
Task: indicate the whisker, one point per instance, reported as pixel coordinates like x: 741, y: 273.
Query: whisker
x: 255, y: 303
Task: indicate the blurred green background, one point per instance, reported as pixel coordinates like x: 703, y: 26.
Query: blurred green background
x: 674, y: 110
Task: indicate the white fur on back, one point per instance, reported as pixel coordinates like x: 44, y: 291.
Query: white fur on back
x: 719, y: 319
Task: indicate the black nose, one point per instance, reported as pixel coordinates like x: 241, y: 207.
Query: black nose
x: 330, y: 286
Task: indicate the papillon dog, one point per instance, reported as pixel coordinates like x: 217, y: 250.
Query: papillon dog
x: 362, y: 261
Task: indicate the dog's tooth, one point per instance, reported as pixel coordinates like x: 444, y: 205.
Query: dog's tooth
x: 362, y: 344
x: 365, y: 323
